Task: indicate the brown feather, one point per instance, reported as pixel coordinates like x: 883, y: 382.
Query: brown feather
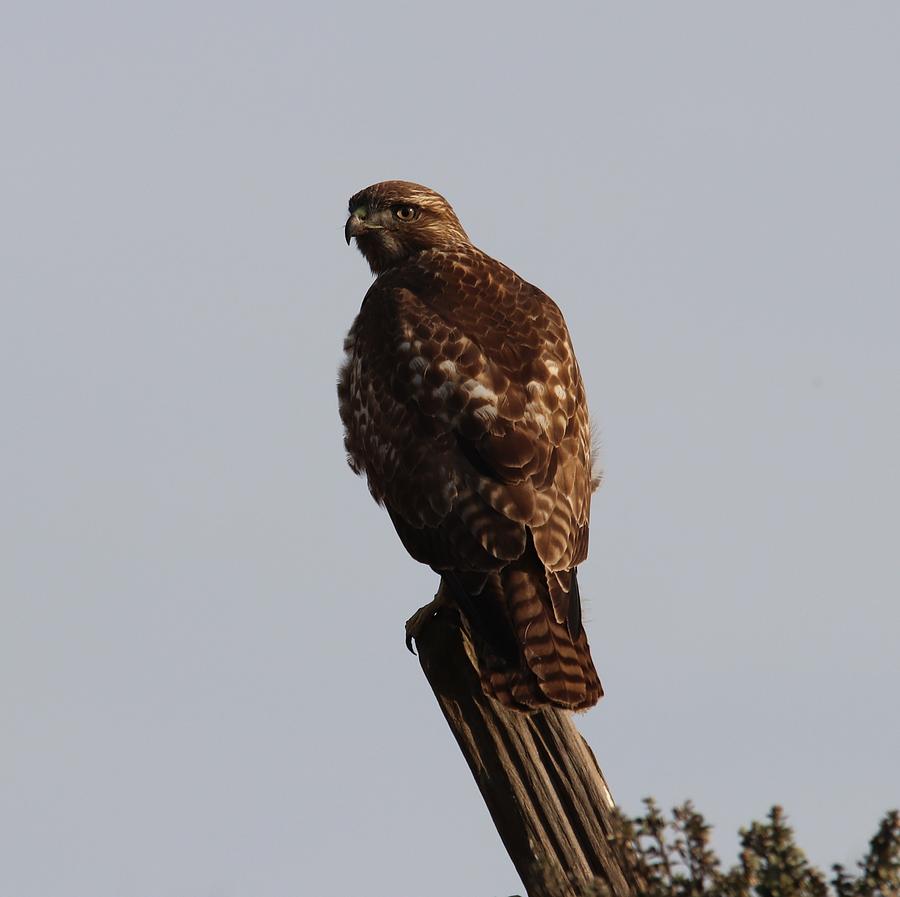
x: 463, y: 405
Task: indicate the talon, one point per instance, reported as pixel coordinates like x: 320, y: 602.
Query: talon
x: 419, y: 620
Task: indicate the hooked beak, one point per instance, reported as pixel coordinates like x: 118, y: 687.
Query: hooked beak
x: 356, y: 223
x: 350, y: 228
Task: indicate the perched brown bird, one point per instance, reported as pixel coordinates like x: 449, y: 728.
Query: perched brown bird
x: 463, y: 404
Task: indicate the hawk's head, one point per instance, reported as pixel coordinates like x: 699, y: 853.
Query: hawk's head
x: 395, y: 219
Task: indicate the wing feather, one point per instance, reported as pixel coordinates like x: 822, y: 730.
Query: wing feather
x: 463, y: 405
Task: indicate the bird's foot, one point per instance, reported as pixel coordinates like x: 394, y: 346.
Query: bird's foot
x: 422, y: 617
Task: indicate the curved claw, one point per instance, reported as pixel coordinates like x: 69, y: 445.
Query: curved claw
x: 419, y: 620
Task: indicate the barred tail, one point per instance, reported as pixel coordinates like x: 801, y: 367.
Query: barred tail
x: 532, y: 649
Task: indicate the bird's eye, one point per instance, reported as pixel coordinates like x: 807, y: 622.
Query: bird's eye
x: 406, y: 213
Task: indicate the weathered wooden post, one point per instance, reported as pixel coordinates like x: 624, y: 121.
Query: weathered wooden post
x: 537, y: 775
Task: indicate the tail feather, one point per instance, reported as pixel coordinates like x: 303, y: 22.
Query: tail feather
x: 529, y: 658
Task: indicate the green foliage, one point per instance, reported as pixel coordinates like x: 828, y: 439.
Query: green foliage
x: 672, y: 858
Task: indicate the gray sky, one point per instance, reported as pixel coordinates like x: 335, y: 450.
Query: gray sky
x: 203, y: 686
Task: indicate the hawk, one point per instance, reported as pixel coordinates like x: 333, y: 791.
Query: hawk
x: 463, y: 405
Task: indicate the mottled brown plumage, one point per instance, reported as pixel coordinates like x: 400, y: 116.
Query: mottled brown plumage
x: 463, y: 405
